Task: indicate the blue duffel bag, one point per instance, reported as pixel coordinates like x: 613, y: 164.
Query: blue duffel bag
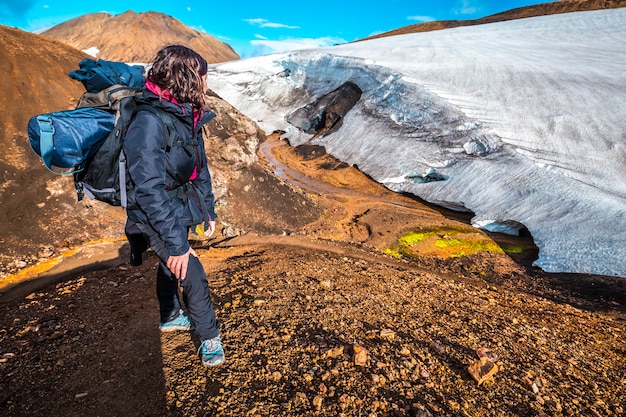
x: 101, y: 74
x: 65, y: 139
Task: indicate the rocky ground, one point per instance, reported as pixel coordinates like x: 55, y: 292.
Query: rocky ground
x: 333, y: 318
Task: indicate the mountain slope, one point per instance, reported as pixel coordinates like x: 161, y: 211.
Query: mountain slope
x: 563, y: 6
x: 37, y: 208
x: 136, y: 37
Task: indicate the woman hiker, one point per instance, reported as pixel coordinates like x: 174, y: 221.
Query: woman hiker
x: 173, y: 192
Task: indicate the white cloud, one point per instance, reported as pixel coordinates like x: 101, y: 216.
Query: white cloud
x: 463, y: 7
x: 188, y: 9
x: 421, y: 18
x: 264, y: 23
x: 266, y: 46
x: 256, y: 35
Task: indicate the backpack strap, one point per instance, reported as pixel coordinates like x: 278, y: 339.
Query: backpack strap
x: 170, y: 130
x: 109, y: 98
x: 46, y: 144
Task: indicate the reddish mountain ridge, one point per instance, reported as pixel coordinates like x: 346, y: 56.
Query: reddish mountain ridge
x: 563, y: 6
x: 136, y: 37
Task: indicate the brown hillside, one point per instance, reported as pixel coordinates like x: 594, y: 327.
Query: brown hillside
x: 136, y: 37
x: 34, y: 77
x: 563, y: 6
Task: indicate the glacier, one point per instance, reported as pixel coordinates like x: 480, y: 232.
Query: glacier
x: 525, y: 121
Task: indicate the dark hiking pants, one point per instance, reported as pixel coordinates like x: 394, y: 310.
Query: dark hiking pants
x: 196, y: 296
x: 195, y: 287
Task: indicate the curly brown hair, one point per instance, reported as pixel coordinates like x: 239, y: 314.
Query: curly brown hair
x: 181, y: 71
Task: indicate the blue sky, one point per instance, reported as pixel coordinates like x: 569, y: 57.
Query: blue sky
x: 258, y: 27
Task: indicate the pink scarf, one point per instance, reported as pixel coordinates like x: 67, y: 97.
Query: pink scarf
x: 197, y: 114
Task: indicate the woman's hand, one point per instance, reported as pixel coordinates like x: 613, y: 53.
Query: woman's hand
x: 178, y: 264
x: 208, y: 233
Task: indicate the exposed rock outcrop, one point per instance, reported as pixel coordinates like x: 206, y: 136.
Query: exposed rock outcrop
x: 321, y: 116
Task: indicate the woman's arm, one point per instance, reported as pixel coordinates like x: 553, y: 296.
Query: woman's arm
x: 203, y: 182
x: 144, y: 146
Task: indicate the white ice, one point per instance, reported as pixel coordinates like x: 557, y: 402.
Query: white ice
x: 526, y: 119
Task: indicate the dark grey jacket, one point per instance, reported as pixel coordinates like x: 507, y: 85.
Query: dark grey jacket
x: 167, y: 201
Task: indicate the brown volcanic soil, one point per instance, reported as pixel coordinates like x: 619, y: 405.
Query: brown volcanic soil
x: 297, y: 306
x: 555, y: 7
x: 136, y: 37
x: 34, y: 202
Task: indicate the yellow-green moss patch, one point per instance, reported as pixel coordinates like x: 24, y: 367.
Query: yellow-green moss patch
x: 447, y: 242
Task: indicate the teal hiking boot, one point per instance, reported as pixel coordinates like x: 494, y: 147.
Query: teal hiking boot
x: 211, y: 352
x: 179, y: 323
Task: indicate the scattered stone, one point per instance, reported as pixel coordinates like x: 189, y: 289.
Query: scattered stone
x: 57, y: 335
x: 335, y: 352
x: 360, y: 355
x: 387, y: 334
x: 45, y: 253
x: 301, y: 400
x: 483, y: 370
x: 535, y: 388
x: 317, y: 402
x: 81, y: 395
x: 437, y: 348
x: 484, y: 352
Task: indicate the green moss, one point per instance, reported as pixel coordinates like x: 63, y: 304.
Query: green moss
x: 448, y: 243
x: 413, y: 238
x: 393, y: 253
x: 454, y: 242
x: 513, y: 248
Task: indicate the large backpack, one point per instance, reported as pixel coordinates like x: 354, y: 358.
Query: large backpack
x: 87, y: 141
